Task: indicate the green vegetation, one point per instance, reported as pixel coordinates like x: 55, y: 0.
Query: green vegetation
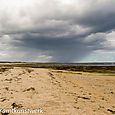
x: 68, y: 67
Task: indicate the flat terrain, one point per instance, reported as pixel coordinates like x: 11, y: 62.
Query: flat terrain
x: 57, y: 92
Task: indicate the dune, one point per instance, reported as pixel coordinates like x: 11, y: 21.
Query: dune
x: 56, y: 92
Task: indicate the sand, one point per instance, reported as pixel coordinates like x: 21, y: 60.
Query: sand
x: 56, y: 92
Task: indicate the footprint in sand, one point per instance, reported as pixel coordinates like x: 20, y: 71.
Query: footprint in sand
x: 2, y: 99
x: 29, y: 89
x: 15, y: 105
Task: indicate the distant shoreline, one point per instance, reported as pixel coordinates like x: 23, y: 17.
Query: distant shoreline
x: 83, y: 67
x: 60, y: 63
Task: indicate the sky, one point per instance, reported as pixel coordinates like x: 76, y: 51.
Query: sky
x: 57, y: 30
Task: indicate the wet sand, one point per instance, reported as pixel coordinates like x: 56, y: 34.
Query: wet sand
x: 57, y: 92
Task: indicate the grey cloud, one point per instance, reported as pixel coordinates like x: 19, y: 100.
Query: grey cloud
x: 63, y: 31
x: 61, y: 50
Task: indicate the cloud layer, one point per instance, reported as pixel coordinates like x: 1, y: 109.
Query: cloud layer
x: 57, y: 30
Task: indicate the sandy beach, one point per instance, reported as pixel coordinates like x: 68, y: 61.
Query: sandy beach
x: 56, y: 92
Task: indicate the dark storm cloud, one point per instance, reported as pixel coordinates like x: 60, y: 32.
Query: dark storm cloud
x: 63, y: 31
x: 99, y: 20
x: 62, y: 49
